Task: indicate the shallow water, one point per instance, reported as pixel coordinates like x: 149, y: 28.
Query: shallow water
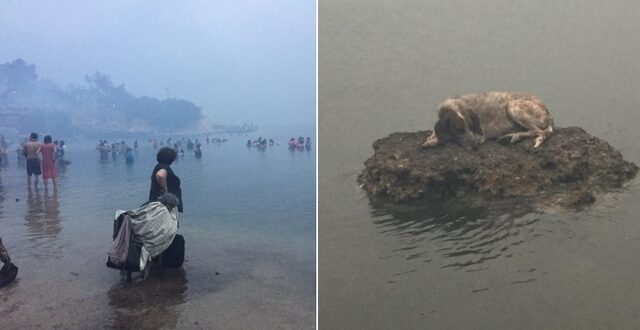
x: 383, y: 67
x: 248, y: 222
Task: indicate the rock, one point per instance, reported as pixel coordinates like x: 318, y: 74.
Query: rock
x: 565, y: 171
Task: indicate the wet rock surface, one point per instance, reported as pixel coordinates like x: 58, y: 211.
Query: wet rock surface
x: 567, y: 170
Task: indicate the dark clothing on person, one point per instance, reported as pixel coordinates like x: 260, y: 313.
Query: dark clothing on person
x: 4, y: 255
x: 9, y: 271
x: 173, y: 185
x: 33, y: 166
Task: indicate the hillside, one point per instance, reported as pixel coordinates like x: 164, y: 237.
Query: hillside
x: 28, y: 103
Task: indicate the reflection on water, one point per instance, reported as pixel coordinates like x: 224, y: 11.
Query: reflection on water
x: 465, y: 237
x: 61, y: 166
x: 43, y: 223
x: 150, y: 304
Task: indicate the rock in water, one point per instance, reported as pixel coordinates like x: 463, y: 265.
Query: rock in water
x: 566, y: 170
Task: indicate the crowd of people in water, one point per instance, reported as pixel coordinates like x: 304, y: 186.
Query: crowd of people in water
x: 178, y: 144
x: 299, y: 144
x: 117, y: 148
x: 182, y: 145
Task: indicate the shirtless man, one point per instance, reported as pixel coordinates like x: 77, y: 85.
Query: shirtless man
x: 30, y: 151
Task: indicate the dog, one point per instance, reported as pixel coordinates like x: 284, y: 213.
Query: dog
x: 473, y: 118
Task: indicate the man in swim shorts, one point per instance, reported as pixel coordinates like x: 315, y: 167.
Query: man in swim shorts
x: 30, y: 151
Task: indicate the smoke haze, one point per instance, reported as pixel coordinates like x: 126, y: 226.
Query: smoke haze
x: 240, y: 61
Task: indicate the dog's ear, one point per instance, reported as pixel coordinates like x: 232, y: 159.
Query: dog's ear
x: 455, y: 122
x: 474, y: 123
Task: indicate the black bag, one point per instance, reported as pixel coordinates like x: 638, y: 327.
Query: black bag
x: 8, y: 273
x: 132, y: 262
x: 173, y: 256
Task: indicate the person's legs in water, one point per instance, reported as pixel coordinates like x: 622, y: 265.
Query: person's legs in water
x: 33, y: 168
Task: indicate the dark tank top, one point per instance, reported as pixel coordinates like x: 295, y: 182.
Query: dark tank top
x: 173, y: 184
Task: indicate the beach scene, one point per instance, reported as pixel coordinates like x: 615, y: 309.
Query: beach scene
x: 230, y: 92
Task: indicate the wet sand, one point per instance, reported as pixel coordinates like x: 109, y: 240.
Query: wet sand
x: 253, y: 290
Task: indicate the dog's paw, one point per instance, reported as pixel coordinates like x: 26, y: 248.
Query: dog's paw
x: 537, y: 143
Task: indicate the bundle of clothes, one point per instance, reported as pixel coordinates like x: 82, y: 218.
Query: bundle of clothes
x: 147, y: 233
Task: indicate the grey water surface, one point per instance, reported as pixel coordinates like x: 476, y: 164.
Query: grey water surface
x: 383, y: 67
x: 248, y: 222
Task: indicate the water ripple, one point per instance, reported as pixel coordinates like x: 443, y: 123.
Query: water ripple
x: 462, y: 237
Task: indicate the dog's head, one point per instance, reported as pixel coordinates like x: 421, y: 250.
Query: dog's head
x: 451, y: 126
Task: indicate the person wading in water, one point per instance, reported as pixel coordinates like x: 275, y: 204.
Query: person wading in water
x: 30, y: 151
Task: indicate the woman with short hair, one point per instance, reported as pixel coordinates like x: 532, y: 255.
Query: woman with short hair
x: 163, y: 179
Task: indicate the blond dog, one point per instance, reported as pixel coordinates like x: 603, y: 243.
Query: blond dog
x: 474, y: 118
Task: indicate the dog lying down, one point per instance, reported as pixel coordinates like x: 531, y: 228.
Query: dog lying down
x: 473, y: 118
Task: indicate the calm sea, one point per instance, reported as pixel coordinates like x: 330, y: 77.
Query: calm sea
x: 248, y: 222
x: 383, y: 67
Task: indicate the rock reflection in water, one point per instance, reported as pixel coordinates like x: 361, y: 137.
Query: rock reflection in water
x: 152, y: 303
x: 464, y: 237
x: 43, y: 223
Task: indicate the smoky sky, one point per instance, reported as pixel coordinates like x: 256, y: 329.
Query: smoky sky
x: 241, y: 61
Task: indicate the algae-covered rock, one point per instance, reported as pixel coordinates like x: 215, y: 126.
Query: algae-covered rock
x: 566, y: 170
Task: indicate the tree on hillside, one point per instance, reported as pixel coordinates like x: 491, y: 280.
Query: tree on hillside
x: 105, y: 92
x: 100, y: 104
x: 16, y: 75
x: 178, y: 113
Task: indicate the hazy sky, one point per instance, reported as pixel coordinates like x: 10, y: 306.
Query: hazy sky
x: 241, y: 60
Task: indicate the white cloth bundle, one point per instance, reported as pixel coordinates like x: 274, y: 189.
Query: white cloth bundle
x: 154, y: 226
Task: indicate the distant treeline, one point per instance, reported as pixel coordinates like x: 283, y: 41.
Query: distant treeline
x: 28, y: 103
